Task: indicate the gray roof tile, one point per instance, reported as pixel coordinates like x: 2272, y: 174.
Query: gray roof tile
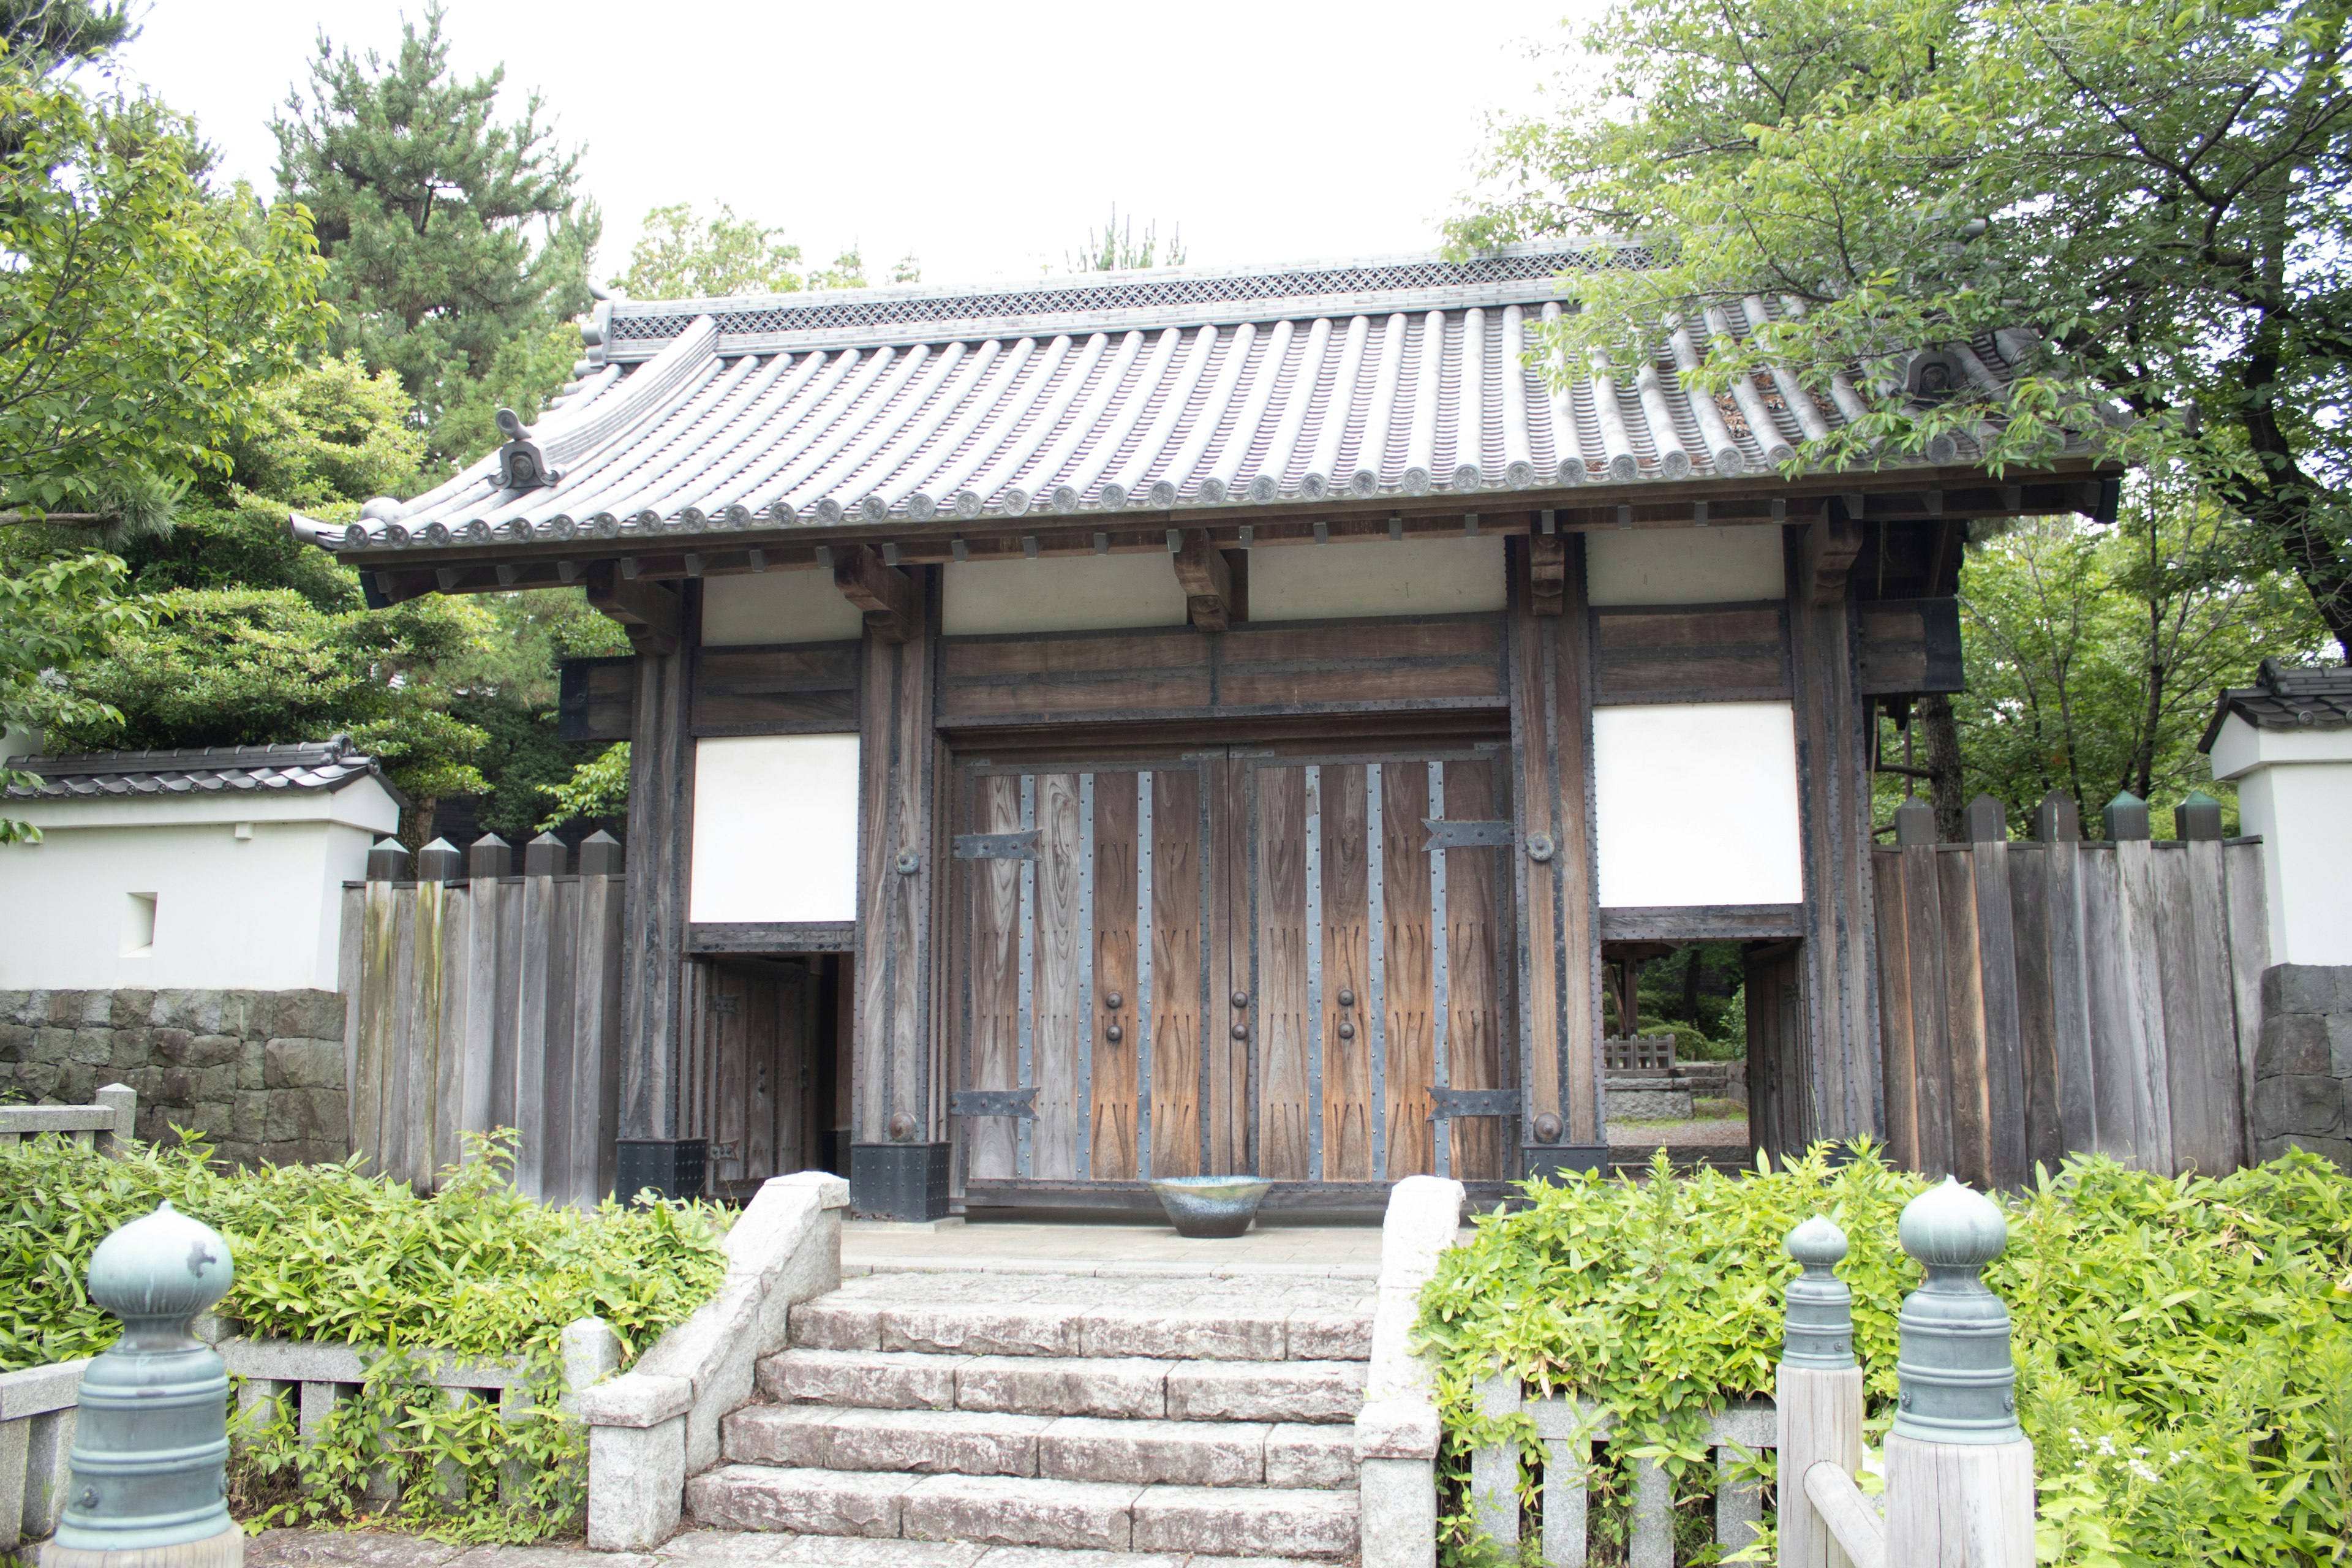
x: 2287, y: 697
x: 1396, y: 376
x: 310, y: 766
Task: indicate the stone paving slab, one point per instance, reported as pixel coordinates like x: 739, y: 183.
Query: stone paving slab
x: 702, y: 1548
x: 1092, y: 1247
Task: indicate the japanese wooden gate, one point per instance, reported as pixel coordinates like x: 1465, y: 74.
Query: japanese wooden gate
x: 1231, y: 959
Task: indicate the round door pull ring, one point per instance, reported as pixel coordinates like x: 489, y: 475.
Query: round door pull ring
x: 1539, y: 847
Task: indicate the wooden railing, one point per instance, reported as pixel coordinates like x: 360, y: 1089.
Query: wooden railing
x: 1569, y: 1428
x: 1649, y: 1053
x: 1958, y: 1472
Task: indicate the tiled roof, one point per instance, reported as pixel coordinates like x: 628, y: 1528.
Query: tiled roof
x: 315, y: 766
x: 1395, y: 376
x: 2287, y: 697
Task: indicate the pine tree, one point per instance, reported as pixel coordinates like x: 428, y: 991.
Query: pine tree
x: 451, y: 235
x: 44, y: 35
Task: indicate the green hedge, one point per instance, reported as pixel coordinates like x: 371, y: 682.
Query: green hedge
x: 2184, y: 1346
x: 326, y: 1252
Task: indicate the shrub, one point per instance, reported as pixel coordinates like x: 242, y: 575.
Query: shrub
x: 328, y: 1252
x: 2184, y: 1346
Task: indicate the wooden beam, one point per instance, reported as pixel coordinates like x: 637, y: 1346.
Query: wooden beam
x: 647, y: 611
x: 1832, y: 541
x: 1547, y: 572
x: 882, y: 591
x: 1207, y: 581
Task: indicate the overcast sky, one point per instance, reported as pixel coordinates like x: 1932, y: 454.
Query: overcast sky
x: 984, y: 140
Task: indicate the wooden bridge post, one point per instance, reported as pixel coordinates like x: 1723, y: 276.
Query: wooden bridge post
x: 1818, y: 1393
x: 1959, y: 1469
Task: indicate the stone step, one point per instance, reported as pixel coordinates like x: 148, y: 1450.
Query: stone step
x: 1215, y: 1332
x: 1133, y: 1452
x: 1129, y: 1387
x: 771, y: 1548
x: 1006, y: 1510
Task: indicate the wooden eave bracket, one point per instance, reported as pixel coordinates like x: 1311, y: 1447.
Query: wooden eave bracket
x: 881, y: 590
x: 1547, y: 573
x: 1832, y: 541
x: 647, y: 612
x: 1207, y: 581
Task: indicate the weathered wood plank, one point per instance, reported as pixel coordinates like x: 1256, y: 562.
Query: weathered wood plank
x: 596, y: 1081
x: 1410, y: 971
x: 1923, y: 909
x: 2200, y: 1040
x: 2070, y: 983
x: 1536, y: 885
x: 2004, y: 1055
x: 2118, y: 1051
x: 1964, y: 1018
x: 1179, y: 1007
x: 1897, y: 1044
x: 2247, y: 915
x: 351, y: 970
x: 376, y: 1025
x: 2037, y: 1004
x: 661, y: 792
x: 892, y: 1039
x: 555, y: 1084
x: 770, y: 690
x: 535, y: 1003
x: 453, y: 970
x: 994, y: 955
x: 1061, y: 933
x: 1113, y: 1132
x: 727, y: 1028
x: 478, y: 1027
x: 1283, y: 1117
x: 1347, y: 988
x: 1477, y: 1056
x: 1230, y: 1043
x: 2152, y: 1105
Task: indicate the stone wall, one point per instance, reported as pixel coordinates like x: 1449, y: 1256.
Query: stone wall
x: 260, y: 1073
x: 2303, y: 1071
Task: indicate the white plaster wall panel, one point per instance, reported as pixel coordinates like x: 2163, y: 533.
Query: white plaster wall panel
x: 2302, y: 812
x: 1684, y: 565
x: 261, y: 912
x: 1696, y: 802
x: 775, y: 828
x: 1377, y: 577
x: 1063, y: 594
x: 777, y: 607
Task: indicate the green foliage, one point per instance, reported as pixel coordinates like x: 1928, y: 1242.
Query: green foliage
x: 55, y: 617
x: 2094, y: 653
x: 2181, y: 1344
x: 225, y: 667
x: 138, y: 310
x: 328, y: 1252
x: 525, y: 374
x: 680, y: 256
x: 447, y: 235
x: 2150, y: 190
x: 242, y: 543
x: 46, y: 36
x: 328, y: 433
x: 599, y: 787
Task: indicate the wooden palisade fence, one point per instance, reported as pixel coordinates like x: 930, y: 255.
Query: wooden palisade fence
x: 1958, y: 1470
x: 481, y: 1000
x: 2050, y: 996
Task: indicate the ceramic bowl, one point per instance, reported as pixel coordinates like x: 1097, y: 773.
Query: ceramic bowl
x: 1211, y: 1205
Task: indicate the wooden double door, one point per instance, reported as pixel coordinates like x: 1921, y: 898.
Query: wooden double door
x: 1291, y: 960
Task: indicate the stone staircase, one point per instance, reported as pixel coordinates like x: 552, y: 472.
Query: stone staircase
x: 1169, y: 1414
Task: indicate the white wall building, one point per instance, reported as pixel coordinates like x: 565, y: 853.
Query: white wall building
x: 213, y: 869
x: 2286, y: 743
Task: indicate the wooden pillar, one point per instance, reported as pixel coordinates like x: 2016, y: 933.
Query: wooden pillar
x: 1557, y: 919
x: 1840, y: 1033
x: 653, y: 943
x: 899, y: 1126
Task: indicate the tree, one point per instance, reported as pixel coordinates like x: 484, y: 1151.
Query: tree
x: 1115, y: 249
x: 138, y: 312
x: 2095, y: 651
x: 680, y: 256
x: 46, y: 36
x: 57, y: 615
x: 2146, y: 198
x: 448, y: 234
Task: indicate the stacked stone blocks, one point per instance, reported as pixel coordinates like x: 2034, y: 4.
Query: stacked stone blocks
x: 258, y: 1073
x: 2302, y: 1068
